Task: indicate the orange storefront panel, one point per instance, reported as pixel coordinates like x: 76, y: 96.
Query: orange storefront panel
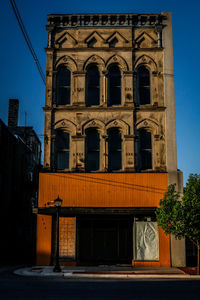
x: 103, y: 189
x: 43, y: 244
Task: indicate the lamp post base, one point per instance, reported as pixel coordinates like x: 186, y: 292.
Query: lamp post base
x: 57, y: 269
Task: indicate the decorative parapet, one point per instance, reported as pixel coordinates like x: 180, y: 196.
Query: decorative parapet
x: 104, y: 20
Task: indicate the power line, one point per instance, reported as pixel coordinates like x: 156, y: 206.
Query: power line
x: 27, y: 39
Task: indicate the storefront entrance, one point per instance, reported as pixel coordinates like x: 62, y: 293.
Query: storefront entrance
x: 104, y: 240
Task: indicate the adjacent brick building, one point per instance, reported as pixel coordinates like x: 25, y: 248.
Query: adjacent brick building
x: 110, y: 140
x: 19, y: 169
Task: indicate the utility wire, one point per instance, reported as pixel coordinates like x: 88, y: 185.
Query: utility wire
x: 26, y: 37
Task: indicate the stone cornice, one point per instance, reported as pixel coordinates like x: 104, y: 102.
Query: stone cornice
x: 105, y: 108
x: 149, y: 108
x: 103, y: 20
x: 77, y: 108
x: 92, y: 50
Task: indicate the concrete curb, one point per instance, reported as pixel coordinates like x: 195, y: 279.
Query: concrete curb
x: 48, y: 272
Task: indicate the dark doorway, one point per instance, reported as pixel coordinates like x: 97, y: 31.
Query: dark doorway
x: 104, y: 241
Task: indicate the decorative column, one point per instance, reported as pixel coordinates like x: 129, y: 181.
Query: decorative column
x: 128, y: 83
x: 159, y: 32
x: 78, y: 163
x: 129, y: 153
x: 79, y: 88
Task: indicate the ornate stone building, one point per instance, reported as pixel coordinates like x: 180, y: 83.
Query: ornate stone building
x: 110, y: 140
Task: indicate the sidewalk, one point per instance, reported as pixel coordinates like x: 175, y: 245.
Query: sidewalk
x: 117, y: 272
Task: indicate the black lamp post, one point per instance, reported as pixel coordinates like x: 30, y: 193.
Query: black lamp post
x: 58, y: 203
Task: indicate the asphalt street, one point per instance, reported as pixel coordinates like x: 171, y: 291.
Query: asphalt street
x: 19, y: 287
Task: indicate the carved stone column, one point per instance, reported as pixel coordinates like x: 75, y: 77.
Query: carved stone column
x: 47, y: 138
x: 128, y: 88
x: 129, y: 153
x: 78, y: 155
x: 104, y: 151
x: 49, y: 78
x: 53, y: 153
x: 79, y: 88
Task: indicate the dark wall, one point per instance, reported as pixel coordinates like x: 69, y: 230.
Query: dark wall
x: 16, y: 192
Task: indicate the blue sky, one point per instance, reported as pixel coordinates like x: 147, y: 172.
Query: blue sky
x: 20, y: 79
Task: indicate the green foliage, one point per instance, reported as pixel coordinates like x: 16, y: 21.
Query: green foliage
x: 170, y: 213
x: 181, y: 217
x: 191, y: 208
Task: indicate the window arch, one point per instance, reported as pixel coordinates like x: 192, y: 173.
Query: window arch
x: 63, y: 83
x: 62, y: 147
x: 114, y: 85
x: 92, y: 150
x: 143, y: 76
x: 114, y: 149
x: 92, y: 85
x: 145, y: 149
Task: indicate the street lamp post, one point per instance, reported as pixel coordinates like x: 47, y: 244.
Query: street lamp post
x: 58, y: 203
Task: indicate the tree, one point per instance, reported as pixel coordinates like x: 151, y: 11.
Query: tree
x: 181, y: 216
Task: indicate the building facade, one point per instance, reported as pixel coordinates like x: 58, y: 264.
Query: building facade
x: 110, y: 140
x: 19, y: 170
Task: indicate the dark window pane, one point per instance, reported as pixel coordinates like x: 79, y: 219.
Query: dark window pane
x: 93, y: 75
x: 63, y: 76
x: 62, y: 140
x: 145, y: 149
x: 62, y: 160
x: 63, y: 82
x: 144, y: 76
x: 114, y: 85
x: 115, y: 161
x: 144, y: 85
x: 92, y: 162
x: 115, y: 79
x: 62, y: 146
x: 63, y: 94
x: 93, y: 96
x: 114, y: 150
x: 92, y: 150
x: 146, y: 160
x: 144, y: 95
x: 114, y: 138
x: 115, y: 94
x: 92, y: 85
x: 145, y: 139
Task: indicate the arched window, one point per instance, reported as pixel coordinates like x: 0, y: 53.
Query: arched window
x: 63, y: 82
x: 114, y: 149
x: 114, y: 85
x: 62, y: 147
x: 143, y: 76
x: 92, y: 150
x: 92, y: 85
x: 145, y: 149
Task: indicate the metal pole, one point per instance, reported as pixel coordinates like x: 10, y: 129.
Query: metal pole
x: 57, y: 266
